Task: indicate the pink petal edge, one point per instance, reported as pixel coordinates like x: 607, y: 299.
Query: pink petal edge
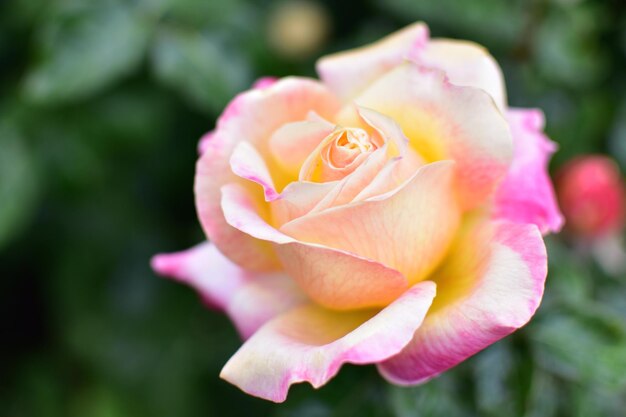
x: 503, y: 298
x: 311, y: 344
x: 250, y: 299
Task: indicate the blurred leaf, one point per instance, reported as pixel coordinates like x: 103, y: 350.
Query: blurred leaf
x: 570, y: 277
x: 493, y: 22
x: 84, y: 49
x: 617, y: 140
x: 590, y: 400
x: 492, y: 371
x: 202, y: 67
x: 568, y: 48
x: 196, y: 13
x: 582, y: 349
x: 544, y: 398
x: 437, y: 398
x: 18, y: 183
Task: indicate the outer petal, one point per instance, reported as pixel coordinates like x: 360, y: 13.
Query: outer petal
x: 331, y: 277
x: 526, y: 195
x: 443, y: 121
x: 348, y: 73
x: 488, y: 289
x: 408, y: 229
x: 251, y: 116
x: 249, y: 298
x: 311, y: 343
x: 465, y: 64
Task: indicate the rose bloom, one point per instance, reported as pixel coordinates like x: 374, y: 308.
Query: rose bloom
x: 390, y: 214
x: 591, y: 191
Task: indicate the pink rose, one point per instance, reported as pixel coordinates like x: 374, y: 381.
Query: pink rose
x: 391, y: 214
x: 592, y: 194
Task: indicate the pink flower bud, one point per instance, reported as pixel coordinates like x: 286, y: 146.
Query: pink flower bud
x: 592, y: 196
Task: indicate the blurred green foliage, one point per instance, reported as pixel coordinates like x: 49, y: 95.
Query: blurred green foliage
x: 101, y: 105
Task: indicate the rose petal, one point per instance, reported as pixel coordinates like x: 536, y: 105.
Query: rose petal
x: 311, y: 343
x: 251, y: 116
x: 409, y: 229
x: 248, y: 164
x: 487, y: 290
x: 299, y: 198
x: 348, y: 73
x: 367, y: 175
x: 347, y: 188
x: 443, y: 121
x: 264, y: 82
x: 465, y: 64
x: 331, y: 277
x: 203, y: 143
x: 249, y: 298
x: 526, y: 195
x: 292, y: 143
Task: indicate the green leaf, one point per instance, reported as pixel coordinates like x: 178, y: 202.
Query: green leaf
x: 492, y: 370
x: 544, y: 398
x: 18, y: 184
x: 568, y: 49
x: 202, y: 67
x: 85, y: 49
x: 583, y: 349
x: 437, y: 398
x: 494, y: 22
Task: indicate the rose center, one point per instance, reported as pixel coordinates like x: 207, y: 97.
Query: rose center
x: 345, y: 145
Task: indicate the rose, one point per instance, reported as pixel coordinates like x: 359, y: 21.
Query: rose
x: 390, y: 214
x: 591, y: 191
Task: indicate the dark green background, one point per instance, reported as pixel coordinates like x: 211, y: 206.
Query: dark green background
x: 101, y: 106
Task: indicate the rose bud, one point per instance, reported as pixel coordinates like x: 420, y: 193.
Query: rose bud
x: 592, y: 196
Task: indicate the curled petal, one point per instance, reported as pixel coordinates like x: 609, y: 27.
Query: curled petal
x: 526, y: 195
x: 247, y: 163
x: 252, y: 116
x: 443, y: 121
x: 408, y: 229
x: 347, y: 188
x: 249, y: 298
x: 311, y: 343
x: 490, y: 286
x: 348, y: 73
x: 333, y: 278
x: 465, y: 64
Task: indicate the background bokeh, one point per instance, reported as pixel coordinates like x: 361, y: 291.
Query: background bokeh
x: 101, y: 106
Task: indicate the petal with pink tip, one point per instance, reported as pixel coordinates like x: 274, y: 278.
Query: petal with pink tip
x: 248, y: 164
x: 348, y: 73
x: 444, y: 121
x: 408, y: 229
x: 249, y: 298
x: 333, y: 278
x: 526, y: 195
x: 311, y: 343
x: 490, y: 286
x: 252, y: 116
